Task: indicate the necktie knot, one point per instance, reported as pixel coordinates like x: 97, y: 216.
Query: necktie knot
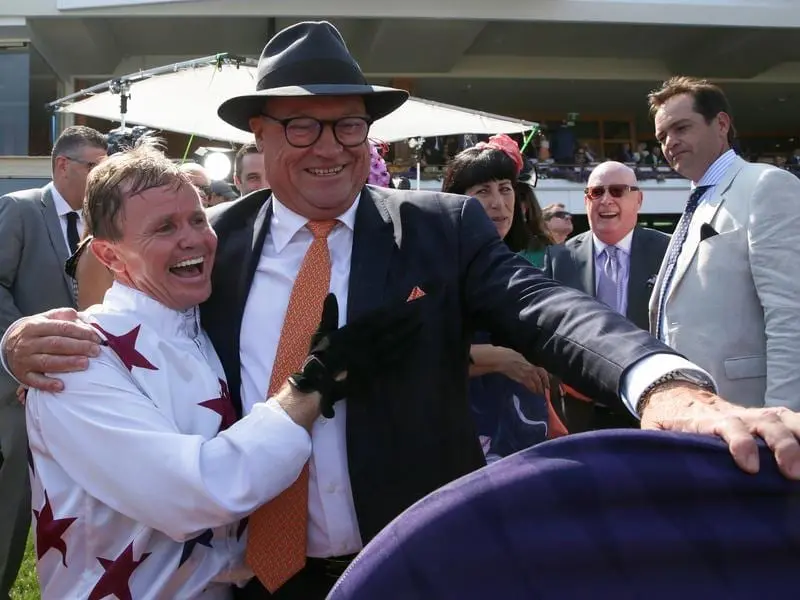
x: 321, y: 229
x: 694, y: 198
x: 611, y: 252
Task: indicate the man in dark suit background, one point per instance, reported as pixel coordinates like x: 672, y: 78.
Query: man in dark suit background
x: 400, y: 435
x: 616, y: 262
x: 39, y: 229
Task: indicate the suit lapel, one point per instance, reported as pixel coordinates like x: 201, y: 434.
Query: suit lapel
x: 705, y: 213
x: 253, y: 253
x: 56, y: 235
x: 637, y: 298
x: 584, y: 263
x: 373, y: 245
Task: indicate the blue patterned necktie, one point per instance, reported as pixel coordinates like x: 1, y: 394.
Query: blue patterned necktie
x: 678, y: 238
x: 608, y: 282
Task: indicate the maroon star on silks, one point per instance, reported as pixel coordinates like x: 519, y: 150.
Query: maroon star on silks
x: 49, y: 531
x: 241, y: 528
x: 125, y: 347
x: 116, y: 579
x: 222, y: 406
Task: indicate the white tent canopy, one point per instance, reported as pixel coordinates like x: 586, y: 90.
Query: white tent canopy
x: 184, y: 98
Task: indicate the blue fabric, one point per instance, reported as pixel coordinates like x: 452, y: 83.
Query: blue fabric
x: 620, y: 514
x: 506, y: 413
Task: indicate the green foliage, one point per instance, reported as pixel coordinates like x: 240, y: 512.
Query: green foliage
x: 27, y: 585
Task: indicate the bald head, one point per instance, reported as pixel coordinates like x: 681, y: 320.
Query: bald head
x: 612, y: 169
x: 612, y: 201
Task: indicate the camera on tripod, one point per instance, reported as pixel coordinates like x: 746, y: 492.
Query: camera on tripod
x: 125, y: 138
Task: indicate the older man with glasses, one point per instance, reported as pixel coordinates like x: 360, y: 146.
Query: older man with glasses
x: 616, y: 262
x: 39, y: 229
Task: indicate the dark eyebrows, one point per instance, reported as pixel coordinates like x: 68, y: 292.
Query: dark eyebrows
x: 677, y: 123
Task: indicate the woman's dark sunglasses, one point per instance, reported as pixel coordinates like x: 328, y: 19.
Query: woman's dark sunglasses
x: 615, y: 191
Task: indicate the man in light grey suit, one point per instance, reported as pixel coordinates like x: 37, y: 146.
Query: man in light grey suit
x: 728, y: 293
x: 38, y: 230
x: 615, y: 262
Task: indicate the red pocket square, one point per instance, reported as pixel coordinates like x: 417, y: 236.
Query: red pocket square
x: 415, y: 293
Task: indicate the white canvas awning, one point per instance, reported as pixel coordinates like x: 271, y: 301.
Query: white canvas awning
x: 184, y: 98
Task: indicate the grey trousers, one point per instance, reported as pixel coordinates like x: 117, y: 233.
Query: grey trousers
x: 15, y: 492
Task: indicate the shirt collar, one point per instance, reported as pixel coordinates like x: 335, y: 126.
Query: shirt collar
x: 121, y: 298
x: 62, y: 207
x: 286, y: 223
x: 717, y: 170
x: 624, y: 244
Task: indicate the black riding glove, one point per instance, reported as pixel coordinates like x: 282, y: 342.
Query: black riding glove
x: 362, y: 348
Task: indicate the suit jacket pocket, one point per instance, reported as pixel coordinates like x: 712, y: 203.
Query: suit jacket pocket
x: 744, y: 367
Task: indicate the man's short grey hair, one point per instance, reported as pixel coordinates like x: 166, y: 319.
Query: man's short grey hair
x: 73, y: 139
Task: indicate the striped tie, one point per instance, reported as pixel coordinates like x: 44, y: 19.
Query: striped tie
x: 678, y: 238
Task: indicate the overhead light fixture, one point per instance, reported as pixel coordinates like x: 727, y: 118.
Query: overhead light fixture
x: 217, y: 161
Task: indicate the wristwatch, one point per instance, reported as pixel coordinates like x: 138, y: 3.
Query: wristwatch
x: 691, y: 376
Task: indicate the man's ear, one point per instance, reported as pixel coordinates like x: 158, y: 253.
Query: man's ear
x: 108, y: 255
x: 256, y: 126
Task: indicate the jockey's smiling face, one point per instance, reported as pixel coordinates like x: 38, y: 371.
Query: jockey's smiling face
x: 167, y: 247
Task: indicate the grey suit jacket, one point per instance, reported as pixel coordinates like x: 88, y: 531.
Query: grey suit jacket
x: 32, y: 256
x: 573, y: 264
x: 734, y: 305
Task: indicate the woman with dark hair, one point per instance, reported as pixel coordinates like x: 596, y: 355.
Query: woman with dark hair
x: 538, y: 237
x: 507, y: 393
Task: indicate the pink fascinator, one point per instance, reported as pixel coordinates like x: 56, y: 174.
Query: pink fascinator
x: 505, y: 144
x: 378, y: 173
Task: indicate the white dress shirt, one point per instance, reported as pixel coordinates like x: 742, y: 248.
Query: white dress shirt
x: 624, y: 257
x: 332, y: 524
x: 62, y: 208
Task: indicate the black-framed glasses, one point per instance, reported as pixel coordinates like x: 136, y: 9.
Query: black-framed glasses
x: 302, y: 132
x: 561, y: 214
x: 89, y: 164
x: 615, y: 190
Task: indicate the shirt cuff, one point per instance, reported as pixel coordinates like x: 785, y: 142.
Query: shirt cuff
x: 645, y: 371
x: 3, y: 349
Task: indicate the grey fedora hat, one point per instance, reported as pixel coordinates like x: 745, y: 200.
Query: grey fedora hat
x: 309, y: 59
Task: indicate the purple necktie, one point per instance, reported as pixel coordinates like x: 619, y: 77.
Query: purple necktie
x: 608, y: 284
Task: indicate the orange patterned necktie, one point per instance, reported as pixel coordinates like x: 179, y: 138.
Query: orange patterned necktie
x: 277, y: 531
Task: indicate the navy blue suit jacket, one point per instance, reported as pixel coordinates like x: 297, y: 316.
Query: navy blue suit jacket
x: 410, y: 431
x: 616, y: 514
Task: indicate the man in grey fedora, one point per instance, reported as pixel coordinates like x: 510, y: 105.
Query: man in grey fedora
x: 398, y: 435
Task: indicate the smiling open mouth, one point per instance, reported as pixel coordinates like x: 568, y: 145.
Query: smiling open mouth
x: 191, y: 267
x: 330, y: 172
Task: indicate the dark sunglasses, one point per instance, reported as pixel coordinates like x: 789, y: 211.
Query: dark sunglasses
x: 616, y: 191
x: 562, y: 214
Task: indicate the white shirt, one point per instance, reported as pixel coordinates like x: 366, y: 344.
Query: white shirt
x: 139, y: 462
x: 62, y: 208
x: 624, y: 257
x: 332, y: 524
